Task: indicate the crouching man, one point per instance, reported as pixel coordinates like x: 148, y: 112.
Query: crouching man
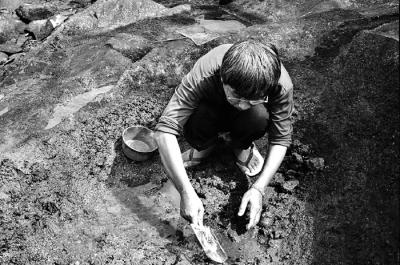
x: 241, y: 89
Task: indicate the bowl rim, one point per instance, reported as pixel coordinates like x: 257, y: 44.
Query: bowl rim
x: 151, y: 132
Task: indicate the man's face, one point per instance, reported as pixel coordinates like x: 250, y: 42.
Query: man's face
x: 237, y: 102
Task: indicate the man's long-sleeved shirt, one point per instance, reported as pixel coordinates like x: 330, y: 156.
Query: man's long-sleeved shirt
x: 203, y: 83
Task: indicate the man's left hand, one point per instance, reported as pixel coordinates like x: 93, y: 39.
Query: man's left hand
x: 253, y: 198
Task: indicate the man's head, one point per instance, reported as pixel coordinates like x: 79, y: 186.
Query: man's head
x: 252, y: 69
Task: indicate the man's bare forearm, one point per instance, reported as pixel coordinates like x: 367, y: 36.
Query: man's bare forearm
x: 172, y: 160
x: 274, y: 158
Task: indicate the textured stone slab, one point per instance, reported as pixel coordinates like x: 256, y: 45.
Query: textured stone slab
x: 10, y: 48
x: 29, y: 12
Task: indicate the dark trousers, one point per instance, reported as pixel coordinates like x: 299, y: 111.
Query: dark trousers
x: 202, y: 128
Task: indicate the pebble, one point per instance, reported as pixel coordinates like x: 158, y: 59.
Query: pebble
x: 277, y: 179
x: 297, y: 158
x: 3, y: 59
x: 290, y: 185
x: 316, y: 163
x: 292, y: 172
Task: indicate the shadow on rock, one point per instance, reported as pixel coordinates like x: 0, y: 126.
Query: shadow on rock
x: 354, y: 202
x: 137, y: 186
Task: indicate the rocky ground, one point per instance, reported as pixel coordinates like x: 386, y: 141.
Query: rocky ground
x: 74, y: 74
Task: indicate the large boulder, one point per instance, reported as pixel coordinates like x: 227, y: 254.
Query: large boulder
x: 10, y: 48
x: 133, y: 47
x: 123, y: 12
x: 40, y: 28
x: 107, y: 15
x: 28, y: 12
x: 10, y: 4
x: 3, y: 59
x: 10, y: 27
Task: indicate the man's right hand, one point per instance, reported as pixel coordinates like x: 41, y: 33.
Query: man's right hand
x: 192, y: 208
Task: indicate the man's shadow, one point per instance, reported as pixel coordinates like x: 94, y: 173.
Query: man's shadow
x: 137, y: 186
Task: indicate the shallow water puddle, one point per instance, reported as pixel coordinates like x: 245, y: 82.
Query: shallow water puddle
x: 75, y: 104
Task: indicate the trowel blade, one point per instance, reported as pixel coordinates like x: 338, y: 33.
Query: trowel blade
x: 209, y: 243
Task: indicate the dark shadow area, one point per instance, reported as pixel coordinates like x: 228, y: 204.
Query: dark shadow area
x: 356, y: 128
x: 127, y: 173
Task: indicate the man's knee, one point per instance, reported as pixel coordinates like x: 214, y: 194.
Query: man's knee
x: 256, y: 118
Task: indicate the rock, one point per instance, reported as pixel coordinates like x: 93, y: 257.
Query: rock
x: 81, y: 22
x: 269, y: 193
x: 316, y: 163
x: 115, y: 13
x: 10, y: 4
x: 28, y: 12
x: 297, y: 158
x: 4, y: 196
x: 324, y: 6
x: 106, y: 15
x: 132, y: 46
x: 10, y: 28
x: 302, y: 149
x: 182, y: 260
x: 21, y: 40
x: 14, y: 56
x: 10, y: 48
x: 3, y: 59
x: 389, y: 30
x: 233, y: 235
x: 277, y: 179
x: 176, y: 10
x: 57, y: 20
x: 40, y: 28
x: 290, y: 185
x: 266, y: 222
x: 275, y: 243
x: 232, y: 185
x: 82, y: 3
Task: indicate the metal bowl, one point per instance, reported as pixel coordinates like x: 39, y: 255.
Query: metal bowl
x: 138, y: 143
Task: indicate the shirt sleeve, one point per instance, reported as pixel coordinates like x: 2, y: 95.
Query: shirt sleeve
x: 281, y: 110
x: 178, y: 110
x: 191, y: 90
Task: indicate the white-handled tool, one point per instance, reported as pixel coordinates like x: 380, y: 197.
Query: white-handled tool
x: 209, y: 243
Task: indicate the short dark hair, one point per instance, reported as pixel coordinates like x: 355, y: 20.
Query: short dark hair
x: 252, y: 69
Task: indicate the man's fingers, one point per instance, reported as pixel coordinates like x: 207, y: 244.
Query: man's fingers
x: 243, y: 205
x: 254, y: 217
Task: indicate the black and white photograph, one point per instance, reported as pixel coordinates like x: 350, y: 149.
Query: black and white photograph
x: 199, y: 132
